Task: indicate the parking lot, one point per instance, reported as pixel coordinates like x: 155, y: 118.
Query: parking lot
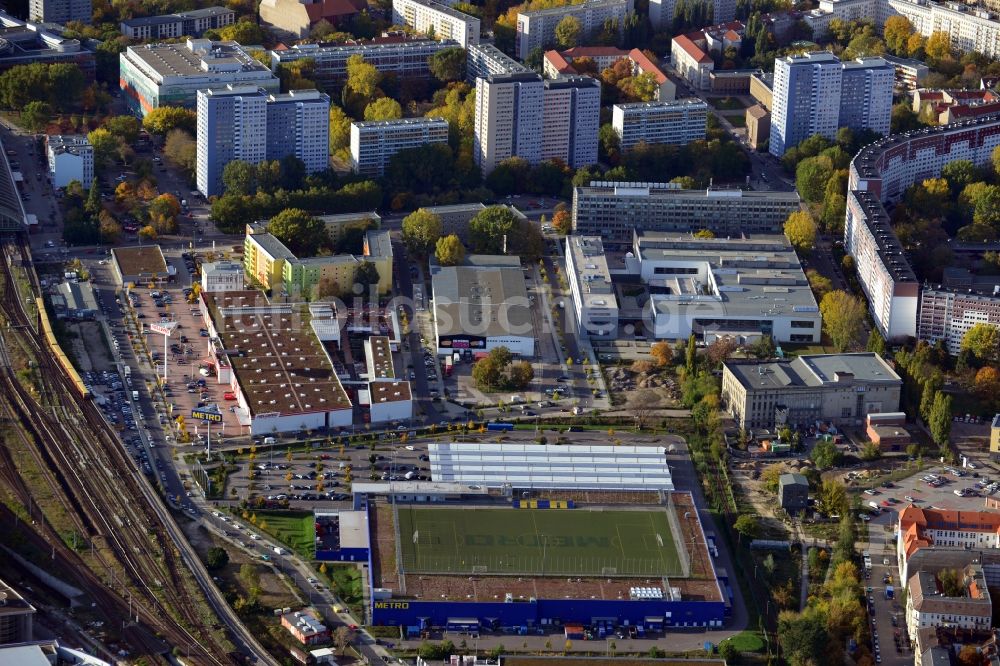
x: 937, y: 487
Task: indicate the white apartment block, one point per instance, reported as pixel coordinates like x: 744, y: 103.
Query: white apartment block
x: 437, y: 19
x: 508, y: 119
x: 678, y: 123
x: 970, y: 28
x: 815, y: 93
x: 374, y: 143
x: 880, y: 174
x: 485, y: 60
x: 221, y: 276
x: 806, y: 96
x: 537, y: 29
x: 246, y: 123
x: 571, y: 118
x: 691, y: 62
x: 59, y: 11
x: 593, y: 294
x: 70, y: 158
x: 948, y: 314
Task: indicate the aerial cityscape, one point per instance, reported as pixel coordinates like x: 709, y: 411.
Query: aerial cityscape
x: 500, y: 332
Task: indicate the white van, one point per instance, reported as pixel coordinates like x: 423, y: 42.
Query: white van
x: 269, y: 440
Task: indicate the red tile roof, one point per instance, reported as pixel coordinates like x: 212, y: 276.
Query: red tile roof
x: 974, y: 111
x: 691, y: 49
x: 645, y: 64
x: 334, y: 9
x: 732, y: 36
x: 559, y: 62
x: 913, y: 522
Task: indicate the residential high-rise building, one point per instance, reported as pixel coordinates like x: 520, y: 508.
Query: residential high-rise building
x: 486, y: 59
x: 537, y: 29
x: 298, y: 123
x: 374, y: 143
x: 247, y: 124
x: 571, y: 120
x: 948, y: 314
x: 155, y: 75
x: 615, y: 210
x: 816, y: 93
x: 59, y: 11
x: 521, y: 115
x: 437, y: 19
x: 677, y: 123
x: 508, y: 119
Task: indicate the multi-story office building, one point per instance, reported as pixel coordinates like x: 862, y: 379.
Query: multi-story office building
x: 245, y: 123
x: 806, y: 99
x: 508, y: 119
x: 484, y: 60
x: 740, y: 288
x: 537, y: 29
x: 437, y: 20
x: 839, y: 388
x: 614, y: 210
x: 298, y: 123
x: 948, y: 314
x: 815, y: 93
x: 559, y: 64
x: 880, y: 174
x: 677, y: 123
x: 182, y: 24
x: 522, y: 115
x: 155, y: 75
x: 866, y: 95
x: 221, y: 276
x: 406, y: 59
x: 59, y: 11
x: 374, y: 143
x: 593, y: 295
x: 70, y: 158
x: 27, y: 43
x: 571, y: 119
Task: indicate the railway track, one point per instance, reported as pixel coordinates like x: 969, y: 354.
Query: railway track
x: 113, y: 503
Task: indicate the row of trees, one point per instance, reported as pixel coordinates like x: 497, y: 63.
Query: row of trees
x: 494, y: 230
x: 497, y: 371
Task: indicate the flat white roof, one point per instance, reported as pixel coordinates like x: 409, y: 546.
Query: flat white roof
x: 551, y: 466
x: 415, y: 488
x: 354, y: 529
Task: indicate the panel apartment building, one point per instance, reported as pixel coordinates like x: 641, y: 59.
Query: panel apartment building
x: 522, y: 115
x: 171, y: 26
x: 613, y: 210
x: 155, y: 75
x: 438, y: 20
x: 678, y: 123
x: 816, y: 93
x: 406, y: 59
x: 879, y: 174
x: 247, y: 124
x: 537, y: 29
x: 60, y: 11
x: 374, y: 143
x: 947, y: 314
x: 484, y: 60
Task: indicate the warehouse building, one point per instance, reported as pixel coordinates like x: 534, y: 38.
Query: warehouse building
x: 594, y: 301
x: 839, y: 388
x: 482, y: 305
x: 140, y: 265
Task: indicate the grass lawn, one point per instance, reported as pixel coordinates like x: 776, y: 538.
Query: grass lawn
x: 296, y: 529
x: 537, y: 541
x: 747, y: 641
x: 726, y: 103
x: 345, y: 581
x: 736, y: 120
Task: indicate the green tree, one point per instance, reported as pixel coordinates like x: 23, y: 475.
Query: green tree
x: 940, y: 419
x: 876, y: 343
x: 340, y: 129
x: 125, y: 128
x: 163, y: 119
x: 800, y: 228
x: 747, y: 525
x: 489, y: 229
x: 932, y: 385
x: 449, y: 250
x: 865, y: 44
x: 367, y: 274
x: 239, y: 178
x: 938, y: 46
x: 691, y: 359
x: 35, y: 115
x: 995, y: 159
x: 983, y: 341
x: 958, y: 173
x: 833, y: 500
x: 448, y: 64
x: 825, y: 454
x: 804, y: 637
x: 244, y: 31
x: 383, y: 108
x: 897, y: 31
x: 216, y: 558
x: 811, y: 176
x: 870, y: 451
x: 182, y: 151
x: 843, y: 318
x: 105, y: 146
x: 302, y: 233
x: 421, y: 231
x: 568, y: 32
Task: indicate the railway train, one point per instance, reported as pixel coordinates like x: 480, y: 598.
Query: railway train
x: 60, y: 356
